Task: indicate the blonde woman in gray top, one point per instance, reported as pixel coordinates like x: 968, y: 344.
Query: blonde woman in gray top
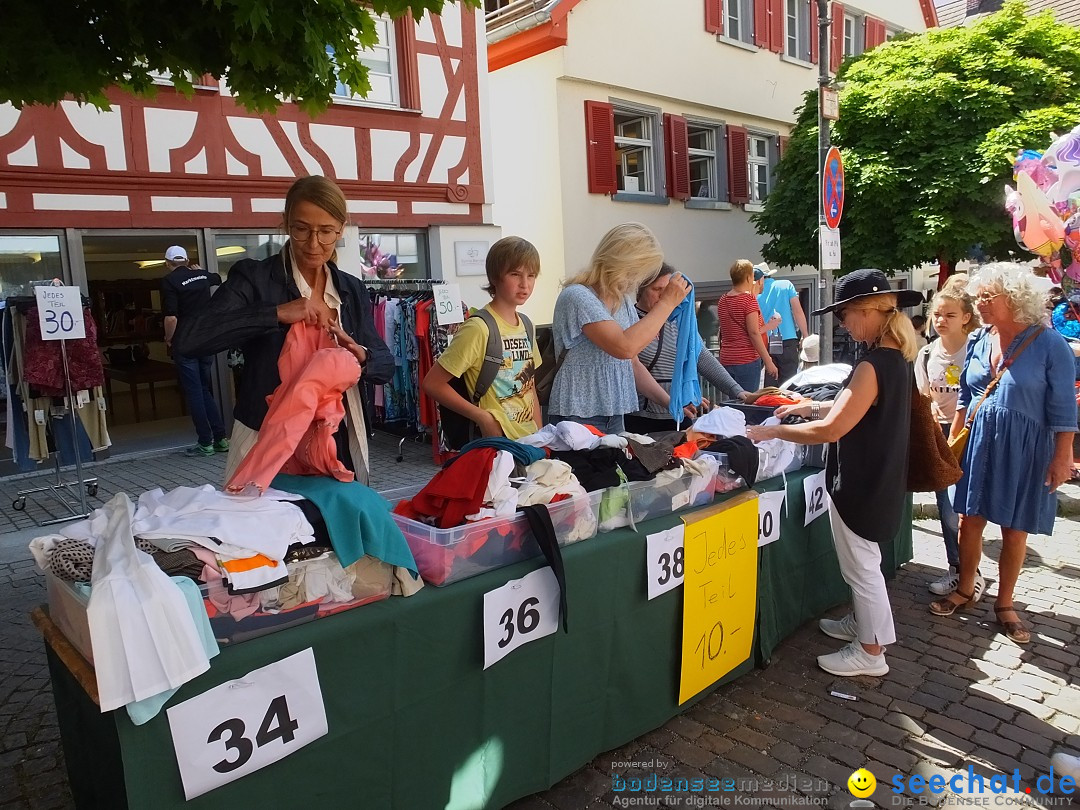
x: 598, y: 328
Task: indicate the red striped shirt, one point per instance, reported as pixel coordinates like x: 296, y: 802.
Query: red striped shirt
x: 735, y: 345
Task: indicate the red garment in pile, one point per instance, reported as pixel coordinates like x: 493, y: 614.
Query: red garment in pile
x: 776, y: 400
x: 454, y: 492
x: 43, y: 364
x: 297, y: 435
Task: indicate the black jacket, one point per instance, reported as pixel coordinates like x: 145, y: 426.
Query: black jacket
x: 243, y: 315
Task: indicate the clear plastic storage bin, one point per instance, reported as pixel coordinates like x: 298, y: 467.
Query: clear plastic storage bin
x: 655, y: 498
x: 67, y: 609
x: 448, y: 555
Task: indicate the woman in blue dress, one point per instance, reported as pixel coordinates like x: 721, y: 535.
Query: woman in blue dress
x: 1019, y: 450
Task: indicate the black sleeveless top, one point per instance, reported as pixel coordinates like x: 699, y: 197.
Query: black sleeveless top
x: 866, y: 470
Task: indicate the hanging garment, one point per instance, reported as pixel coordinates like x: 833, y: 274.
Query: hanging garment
x: 144, y: 638
x: 43, y: 362
x: 143, y: 711
x: 685, y: 385
x: 297, y: 435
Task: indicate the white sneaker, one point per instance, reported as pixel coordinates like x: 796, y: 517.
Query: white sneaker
x: 853, y: 660
x: 947, y: 584
x: 1066, y: 765
x: 844, y: 629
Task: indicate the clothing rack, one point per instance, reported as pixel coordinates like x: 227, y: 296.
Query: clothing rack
x: 60, y: 489
x: 401, y: 285
x: 412, y: 284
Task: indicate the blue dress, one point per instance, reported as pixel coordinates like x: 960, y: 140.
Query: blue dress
x: 1012, y: 439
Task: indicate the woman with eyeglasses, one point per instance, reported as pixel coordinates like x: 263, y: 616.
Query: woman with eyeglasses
x: 598, y: 333
x: 260, y: 300
x: 1017, y: 399
x: 867, y: 427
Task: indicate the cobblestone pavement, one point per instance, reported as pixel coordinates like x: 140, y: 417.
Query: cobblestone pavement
x: 957, y: 693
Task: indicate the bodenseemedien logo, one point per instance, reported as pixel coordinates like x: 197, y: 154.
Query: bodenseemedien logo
x: 861, y: 784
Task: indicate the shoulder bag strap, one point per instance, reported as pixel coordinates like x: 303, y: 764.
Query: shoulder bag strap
x: 493, y: 356
x: 659, y: 348
x: 1005, y: 363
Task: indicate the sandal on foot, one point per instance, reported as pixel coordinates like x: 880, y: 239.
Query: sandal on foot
x: 948, y: 606
x: 1014, y: 631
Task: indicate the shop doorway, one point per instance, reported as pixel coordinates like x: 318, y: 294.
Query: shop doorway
x: 123, y: 273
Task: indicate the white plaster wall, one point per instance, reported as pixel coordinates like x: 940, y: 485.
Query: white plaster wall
x: 441, y: 239
x: 904, y: 14
x: 702, y: 243
x: 526, y: 153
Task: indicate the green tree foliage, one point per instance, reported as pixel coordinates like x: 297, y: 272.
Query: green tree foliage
x: 928, y: 129
x: 267, y: 50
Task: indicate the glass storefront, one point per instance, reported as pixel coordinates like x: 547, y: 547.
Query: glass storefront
x: 402, y: 254
x: 24, y: 259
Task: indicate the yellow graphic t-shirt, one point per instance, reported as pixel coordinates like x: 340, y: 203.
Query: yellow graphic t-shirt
x: 512, y: 395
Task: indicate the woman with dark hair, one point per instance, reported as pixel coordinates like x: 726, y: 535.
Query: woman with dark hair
x: 658, y: 358
x: 255, y: 307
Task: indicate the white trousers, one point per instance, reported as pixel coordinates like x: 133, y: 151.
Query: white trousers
x: 860, y: 563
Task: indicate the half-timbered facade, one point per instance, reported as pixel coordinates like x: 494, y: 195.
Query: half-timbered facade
x: 94, y: 197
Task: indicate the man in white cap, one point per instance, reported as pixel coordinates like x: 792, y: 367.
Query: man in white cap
x: 184, y: 291
x: 779, y: 297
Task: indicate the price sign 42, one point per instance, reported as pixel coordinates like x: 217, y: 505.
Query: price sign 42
x: 817, y: 499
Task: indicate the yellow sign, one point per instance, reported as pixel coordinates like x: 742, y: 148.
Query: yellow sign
x: 719, y: 592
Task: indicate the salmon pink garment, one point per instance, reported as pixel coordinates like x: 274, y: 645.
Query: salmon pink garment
x: 297, y: 435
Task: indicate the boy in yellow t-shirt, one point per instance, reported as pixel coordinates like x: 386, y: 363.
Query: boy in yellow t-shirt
x: 509, y: 407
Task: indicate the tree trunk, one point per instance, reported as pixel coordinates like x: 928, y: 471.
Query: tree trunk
x: 945, y: 269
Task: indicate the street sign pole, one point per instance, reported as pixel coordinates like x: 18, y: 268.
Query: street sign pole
x: 825, y: 277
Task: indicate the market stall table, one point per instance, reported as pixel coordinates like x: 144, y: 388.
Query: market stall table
x: 414, y: 720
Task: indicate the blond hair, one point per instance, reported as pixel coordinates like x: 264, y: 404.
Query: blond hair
x: 320, y: 191
x: 955, y: 290
x: 741, y: 271
x: 897, y: 325
x: 627, y: 256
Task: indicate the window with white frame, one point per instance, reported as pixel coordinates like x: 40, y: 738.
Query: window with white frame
x: 635, y: 151
x: 381, y: 62
x: 852, y: 29
x: 739, y: 20
x: 793, y: 26
x: 761, y: 160
x: 703, y: 141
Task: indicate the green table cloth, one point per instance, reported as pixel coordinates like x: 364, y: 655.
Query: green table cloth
x: 414, y: 720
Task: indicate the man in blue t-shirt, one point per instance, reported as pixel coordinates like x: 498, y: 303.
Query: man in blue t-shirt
x: 779, y: 297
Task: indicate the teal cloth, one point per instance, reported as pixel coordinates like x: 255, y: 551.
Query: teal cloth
x: 357, y: 519
x: 142, y: 711
x: 524, y: 453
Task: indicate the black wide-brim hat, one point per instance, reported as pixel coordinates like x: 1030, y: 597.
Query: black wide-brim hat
x: 863, y: 284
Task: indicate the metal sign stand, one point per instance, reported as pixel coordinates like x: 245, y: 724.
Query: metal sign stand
x: 59, y: 490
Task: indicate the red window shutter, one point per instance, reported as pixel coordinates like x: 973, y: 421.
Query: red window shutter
x: 783, y: 144
x: 875, y: 33
x: 836, y: 43
x: 761, y: 23
x: 677, y: 157
x: 600, y: 147
x: 714, y: 16
x: 812, y: 27
x: 738, y: 170
x: 776, y: 26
